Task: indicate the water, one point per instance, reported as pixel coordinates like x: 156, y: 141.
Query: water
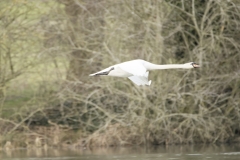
x: 174, y: 152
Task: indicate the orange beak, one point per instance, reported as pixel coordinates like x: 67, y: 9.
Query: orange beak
x: 195, y: 65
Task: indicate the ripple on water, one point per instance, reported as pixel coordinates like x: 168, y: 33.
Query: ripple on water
x: 230, y: 153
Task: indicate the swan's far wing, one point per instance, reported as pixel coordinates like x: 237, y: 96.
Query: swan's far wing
x: 140, y: 80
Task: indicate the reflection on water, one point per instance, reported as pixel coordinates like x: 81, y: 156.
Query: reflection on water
x: 181, y: 152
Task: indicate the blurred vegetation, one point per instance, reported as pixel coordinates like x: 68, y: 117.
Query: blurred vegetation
x: 48, y: 49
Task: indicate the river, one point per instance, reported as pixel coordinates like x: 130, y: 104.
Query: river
x: 172, y: 152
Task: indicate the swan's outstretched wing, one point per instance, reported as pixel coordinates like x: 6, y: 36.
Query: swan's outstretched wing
x: 140, y: 80
x: 125, y: 69
x: 103, y: 72
x: 134, y: 70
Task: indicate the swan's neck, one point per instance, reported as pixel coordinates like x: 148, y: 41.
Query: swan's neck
x: 151, y: 66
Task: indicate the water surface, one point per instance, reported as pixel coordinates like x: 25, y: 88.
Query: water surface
x: 173, y: 152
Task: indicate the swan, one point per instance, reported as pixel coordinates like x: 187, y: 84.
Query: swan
x: 137, y: 70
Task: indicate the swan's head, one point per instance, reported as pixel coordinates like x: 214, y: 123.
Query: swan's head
x: 191, y: 65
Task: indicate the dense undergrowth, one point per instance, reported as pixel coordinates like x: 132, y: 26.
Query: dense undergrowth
x: 69, y: 108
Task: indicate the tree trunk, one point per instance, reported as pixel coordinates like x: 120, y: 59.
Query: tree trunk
x: 85, y: 34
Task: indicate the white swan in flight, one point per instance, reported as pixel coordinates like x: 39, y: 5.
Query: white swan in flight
x: 137, y: 70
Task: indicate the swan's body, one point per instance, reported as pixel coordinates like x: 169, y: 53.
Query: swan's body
x: 137, y: 70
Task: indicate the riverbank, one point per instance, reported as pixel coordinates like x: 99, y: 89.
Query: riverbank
x: 191, y: 152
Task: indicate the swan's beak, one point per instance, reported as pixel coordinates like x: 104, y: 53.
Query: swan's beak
x: 195, y: 65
